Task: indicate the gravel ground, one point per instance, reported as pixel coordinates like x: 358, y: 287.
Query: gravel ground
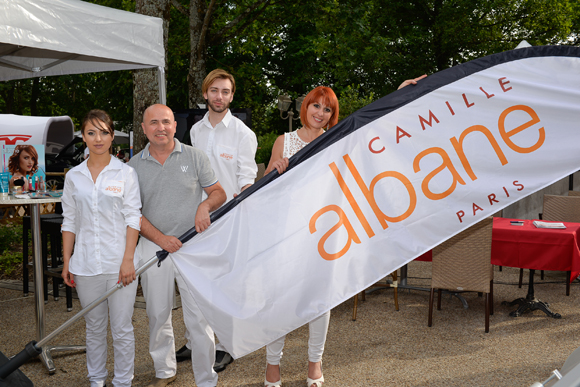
x: 382, y: 348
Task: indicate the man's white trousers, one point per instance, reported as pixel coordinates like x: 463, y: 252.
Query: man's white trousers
x: 158, y: 286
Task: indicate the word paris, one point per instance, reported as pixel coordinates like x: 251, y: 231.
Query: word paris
x: 492, y: 198
x: 459, y: 173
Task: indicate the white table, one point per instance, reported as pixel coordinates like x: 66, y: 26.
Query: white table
x: 38, y: 275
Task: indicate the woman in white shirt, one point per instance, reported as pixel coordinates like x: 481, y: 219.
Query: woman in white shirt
x: 101, y: 208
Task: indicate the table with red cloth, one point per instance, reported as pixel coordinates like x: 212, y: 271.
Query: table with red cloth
x: 529, y: 247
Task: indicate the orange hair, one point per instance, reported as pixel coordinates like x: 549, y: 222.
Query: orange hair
x: 324, y: 95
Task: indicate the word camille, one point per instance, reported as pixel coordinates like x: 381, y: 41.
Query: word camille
x: 503, y: 84
x: 446, y: 167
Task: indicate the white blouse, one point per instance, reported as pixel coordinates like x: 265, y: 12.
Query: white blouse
x: 292, y: 144
x: 99, y: 214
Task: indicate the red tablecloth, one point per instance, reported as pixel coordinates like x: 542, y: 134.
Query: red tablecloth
x: 529, y: 247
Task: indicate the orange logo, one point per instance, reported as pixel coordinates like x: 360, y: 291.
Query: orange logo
x: 113, y: 188
x: 226, y: 156
x: 446, y: 167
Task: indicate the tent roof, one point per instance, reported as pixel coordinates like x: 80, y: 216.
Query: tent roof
x: 57, y: 37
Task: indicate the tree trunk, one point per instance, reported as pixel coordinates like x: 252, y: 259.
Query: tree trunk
x: 198, y: 53
x: 146, y: 82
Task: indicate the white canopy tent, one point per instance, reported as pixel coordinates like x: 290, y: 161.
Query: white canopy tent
x: 57, y: 37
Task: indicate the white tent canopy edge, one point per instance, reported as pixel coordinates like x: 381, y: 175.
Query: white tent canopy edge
x: 57, y: 37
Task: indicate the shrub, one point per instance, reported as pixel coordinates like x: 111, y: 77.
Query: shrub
x: 10, y: 261
x: 352, y: 99
x: 265, y: 144
x: 10, y: 234
x: 10, y: 246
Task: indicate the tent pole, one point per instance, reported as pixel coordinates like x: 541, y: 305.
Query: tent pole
x: 161, y: 81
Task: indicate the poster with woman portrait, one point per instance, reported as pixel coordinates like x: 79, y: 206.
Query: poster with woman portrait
x: 25, y: 164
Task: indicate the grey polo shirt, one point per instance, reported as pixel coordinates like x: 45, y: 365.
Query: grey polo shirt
x: 171, y: 193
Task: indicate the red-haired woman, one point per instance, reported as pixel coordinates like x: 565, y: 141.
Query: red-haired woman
x: 319, y: 112
x: 22, y: 163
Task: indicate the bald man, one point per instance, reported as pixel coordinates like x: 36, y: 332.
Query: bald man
x: 172, y: 178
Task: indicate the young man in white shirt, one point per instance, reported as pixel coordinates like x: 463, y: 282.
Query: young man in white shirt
x: 231, y: 148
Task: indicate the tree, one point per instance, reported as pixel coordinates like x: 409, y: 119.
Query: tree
x: 146, y: 82
x: 210, y: 25
x: 270, y: 45
x: 388, y: 42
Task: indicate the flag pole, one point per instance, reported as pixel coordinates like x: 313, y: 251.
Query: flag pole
x: 34, y: 348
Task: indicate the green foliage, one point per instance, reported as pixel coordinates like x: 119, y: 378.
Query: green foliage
x: 10, y: 261
x: 10, y: 243
x: 295, y: 46
x: 75, y: 95
x: 265, y: 144
x: 388, y: 42
x: 10, y: 235
x: 178, y: 59
x: 352, y: 99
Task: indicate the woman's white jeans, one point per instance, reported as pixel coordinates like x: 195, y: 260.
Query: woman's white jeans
x: 318, y: 329
x: 119, y: 309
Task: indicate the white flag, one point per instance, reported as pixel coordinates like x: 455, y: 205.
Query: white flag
x: 385, y: 185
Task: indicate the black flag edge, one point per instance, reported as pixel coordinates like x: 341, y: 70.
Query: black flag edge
x: 386, y: 105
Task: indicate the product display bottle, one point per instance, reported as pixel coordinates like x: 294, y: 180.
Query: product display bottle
x: 17, y: 186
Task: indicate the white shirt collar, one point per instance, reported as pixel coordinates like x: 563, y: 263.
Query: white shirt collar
x: 225, y: 121
x: 114, y: 164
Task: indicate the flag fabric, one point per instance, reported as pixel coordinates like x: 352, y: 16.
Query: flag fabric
x: 382, y: 187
